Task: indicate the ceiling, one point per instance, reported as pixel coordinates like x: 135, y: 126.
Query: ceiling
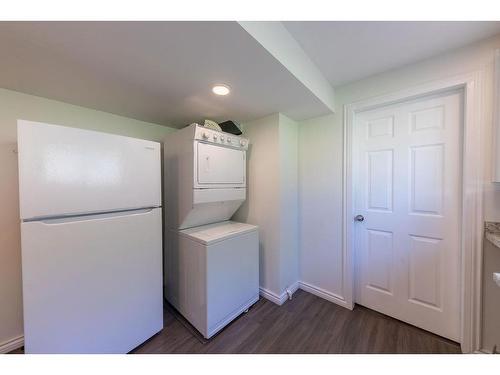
x: 349, y: 51
x: 163, y: 72
x: 160, y: 72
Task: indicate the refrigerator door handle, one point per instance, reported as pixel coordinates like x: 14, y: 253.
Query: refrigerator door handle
x: 92, y: 216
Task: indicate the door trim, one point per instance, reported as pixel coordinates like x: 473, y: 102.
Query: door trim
x: 471, y: 86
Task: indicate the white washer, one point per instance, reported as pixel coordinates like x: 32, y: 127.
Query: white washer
x: 213, y: 273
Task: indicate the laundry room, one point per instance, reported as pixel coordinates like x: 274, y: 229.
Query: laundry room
x: 207, y: 186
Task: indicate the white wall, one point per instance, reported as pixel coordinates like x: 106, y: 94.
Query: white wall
x: 13, y: 106
x: 321, y: 148
x: 272, y: 202
x: 496, y: 117
x: 262, y: 205
x: 289, y: 216
x: 320, y: 204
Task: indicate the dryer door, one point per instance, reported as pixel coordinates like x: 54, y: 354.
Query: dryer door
x: 219, y: 166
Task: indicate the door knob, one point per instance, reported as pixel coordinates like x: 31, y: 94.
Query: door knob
x: 359, y: 218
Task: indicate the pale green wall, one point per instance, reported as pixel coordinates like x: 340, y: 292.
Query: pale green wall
x: 13, y: 106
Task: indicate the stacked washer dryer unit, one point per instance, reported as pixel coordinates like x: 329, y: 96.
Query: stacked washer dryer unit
x: 211, y: 263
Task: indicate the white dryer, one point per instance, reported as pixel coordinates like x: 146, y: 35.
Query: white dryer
x: 211, y: 264
x: 205, y: 176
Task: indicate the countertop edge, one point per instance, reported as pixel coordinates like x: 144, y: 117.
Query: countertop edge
x: 492, y: 233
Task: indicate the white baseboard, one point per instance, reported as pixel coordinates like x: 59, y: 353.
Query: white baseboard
x: 278, y: 299
x: 294, y: 287
x: 267, y: 294
x: 11, y: 345
x: 329, y: 296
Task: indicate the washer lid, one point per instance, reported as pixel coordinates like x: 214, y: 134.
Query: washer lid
x: 212, y: 233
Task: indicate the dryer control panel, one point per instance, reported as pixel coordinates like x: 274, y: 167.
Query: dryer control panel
x: 221, y: 138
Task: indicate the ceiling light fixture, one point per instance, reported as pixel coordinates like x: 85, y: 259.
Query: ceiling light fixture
x: 221, y: 90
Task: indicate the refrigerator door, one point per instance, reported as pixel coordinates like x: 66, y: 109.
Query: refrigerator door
x: 92, y: 284
x: 69, y: 171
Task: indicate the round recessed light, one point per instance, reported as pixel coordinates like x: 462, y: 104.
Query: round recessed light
x: 221, y: 90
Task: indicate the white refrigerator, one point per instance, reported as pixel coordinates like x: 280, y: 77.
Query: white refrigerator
x: 91, y: 236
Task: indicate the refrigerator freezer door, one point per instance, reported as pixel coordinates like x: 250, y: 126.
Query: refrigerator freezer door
x: 92, y: 284
x: 69, y: 171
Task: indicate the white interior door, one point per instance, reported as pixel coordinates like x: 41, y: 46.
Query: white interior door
x: 407, y: 186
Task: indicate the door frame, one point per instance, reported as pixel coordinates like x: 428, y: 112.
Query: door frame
x: 471, y: 86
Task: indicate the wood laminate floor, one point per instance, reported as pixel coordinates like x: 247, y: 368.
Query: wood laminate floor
x: 306, y: 324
